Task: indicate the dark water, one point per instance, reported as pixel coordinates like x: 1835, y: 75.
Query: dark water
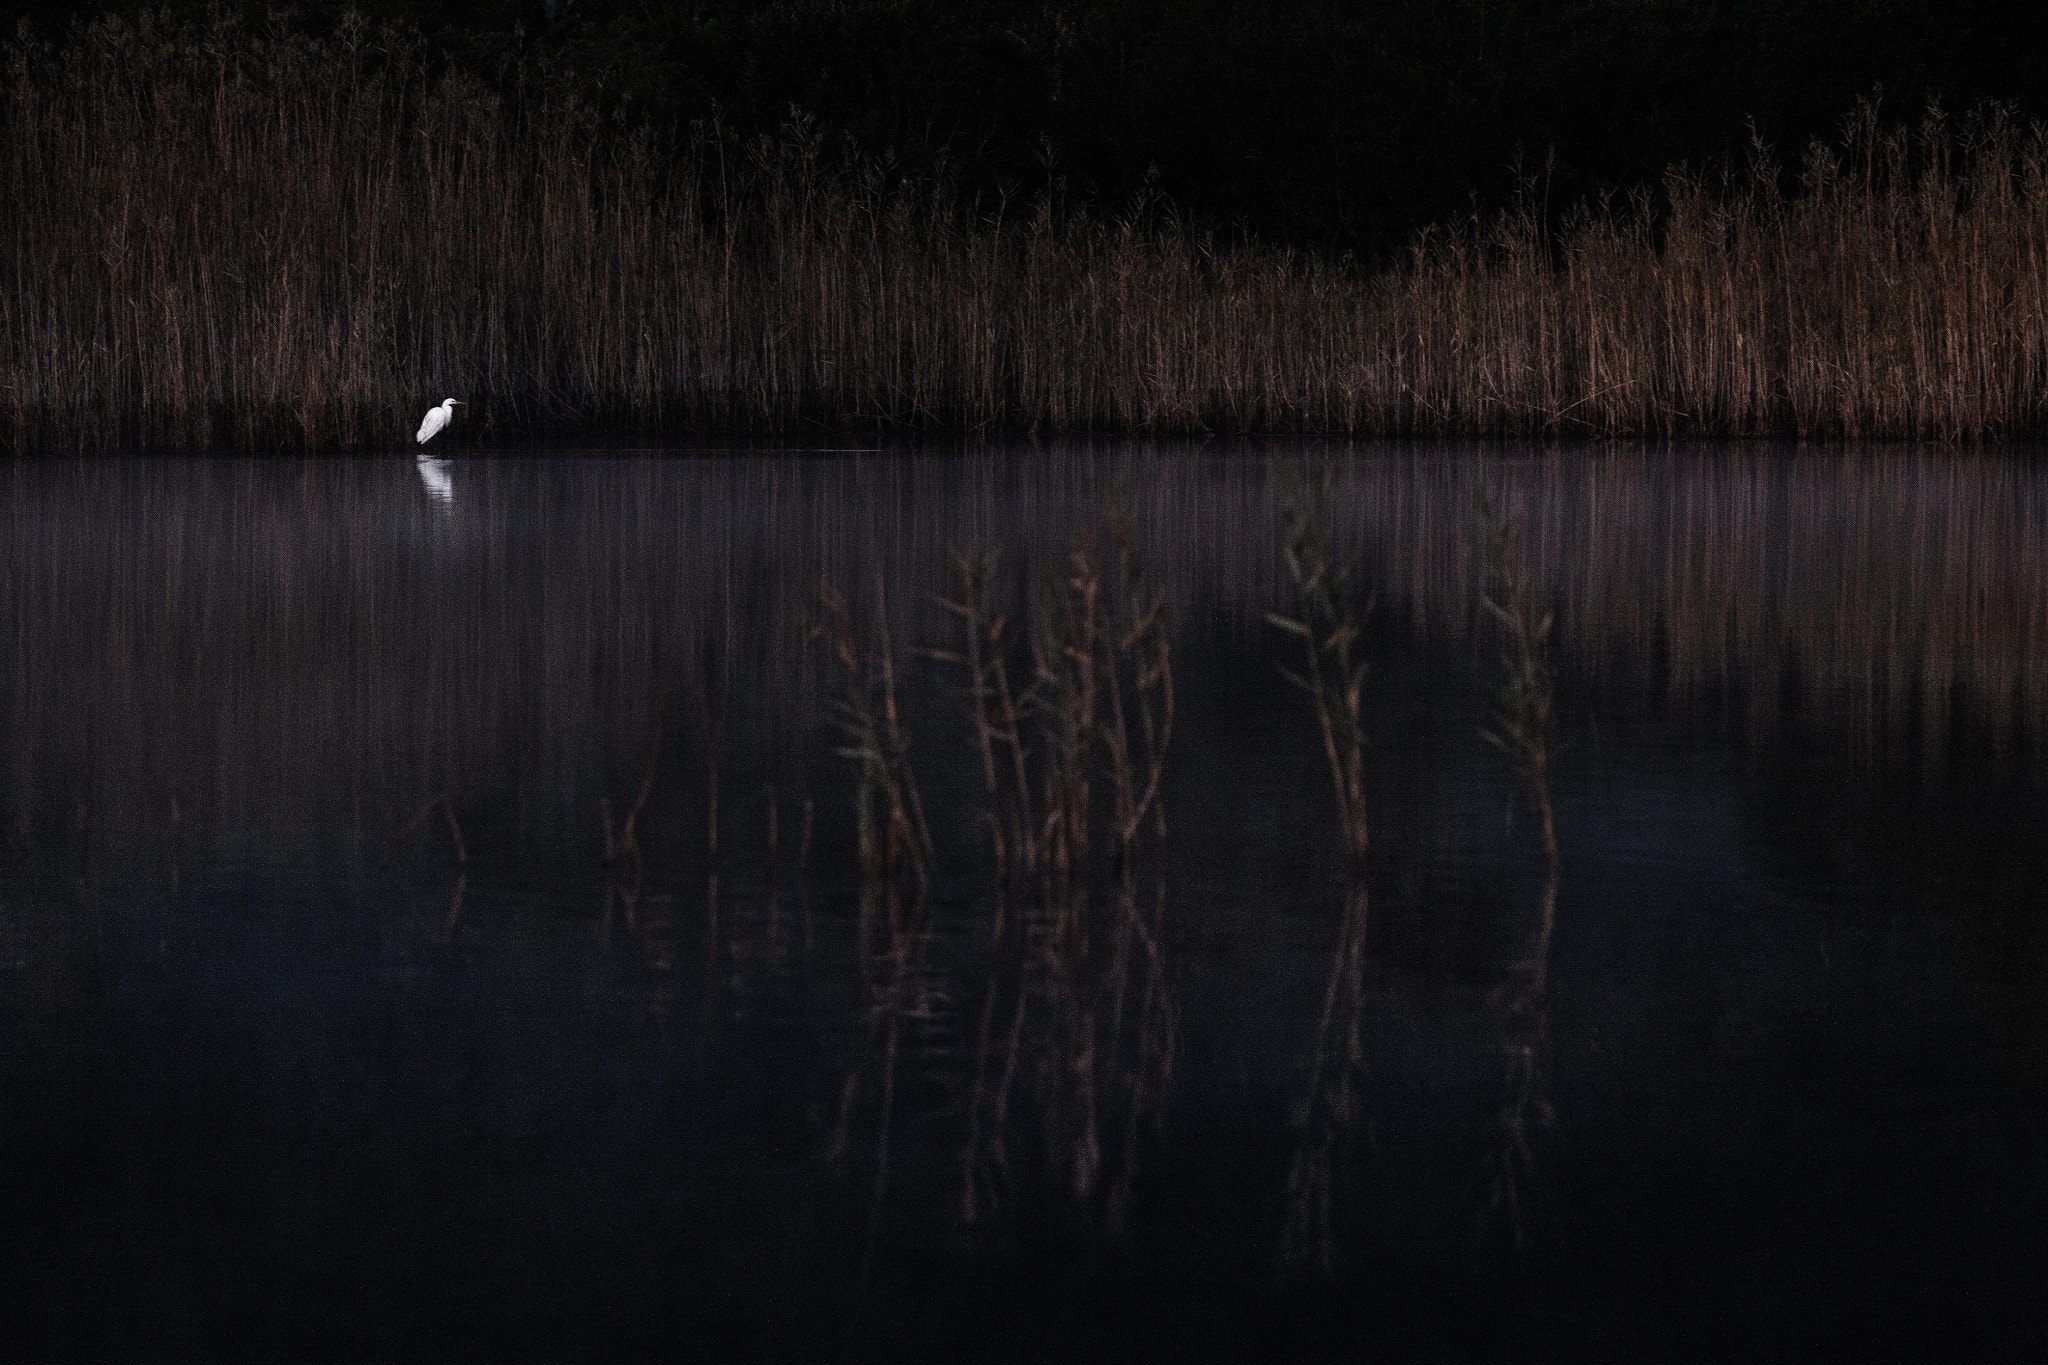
x: 276, y: 1084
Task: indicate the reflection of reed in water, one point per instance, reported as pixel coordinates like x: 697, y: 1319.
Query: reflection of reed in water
x: 1086, y: 1045
x: 894, y: 856
x: 1085, y: 1038
x: 1308, y: 1235
x: 1519, y: 724
x: 1327, y: 623
x: 305, y: 634
x: 442, y: 803
x: 1896, y: 577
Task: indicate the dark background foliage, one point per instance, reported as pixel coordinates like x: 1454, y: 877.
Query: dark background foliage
x: 1329, y: 124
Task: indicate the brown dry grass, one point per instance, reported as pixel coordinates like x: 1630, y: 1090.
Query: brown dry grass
x: 220, y: 238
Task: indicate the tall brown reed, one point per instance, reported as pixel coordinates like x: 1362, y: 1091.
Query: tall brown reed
x: 890, y: 836
x: 1332, y: 677
x: 1520, y: 725
x: 1518, y: 715
x: 889, y: 819
x: 219, y: 237
x: 1095, y: 716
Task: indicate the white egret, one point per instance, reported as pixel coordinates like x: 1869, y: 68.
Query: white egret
x: 437, y: 417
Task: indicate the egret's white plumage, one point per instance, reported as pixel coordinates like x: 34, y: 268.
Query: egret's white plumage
x: 436, y: 418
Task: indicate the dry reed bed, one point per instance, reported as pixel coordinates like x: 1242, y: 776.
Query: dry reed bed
x: 217, y: 237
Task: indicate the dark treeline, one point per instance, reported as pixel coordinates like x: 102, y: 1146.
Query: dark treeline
x: 223, y: 235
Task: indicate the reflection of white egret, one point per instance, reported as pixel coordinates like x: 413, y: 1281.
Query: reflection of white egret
x: 434, y: 474
x: 436, y: 418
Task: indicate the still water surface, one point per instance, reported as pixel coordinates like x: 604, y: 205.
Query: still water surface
x: 287, y: 1072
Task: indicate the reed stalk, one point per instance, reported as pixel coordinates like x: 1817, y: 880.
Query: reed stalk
x: 1097, y: 714
x: 439, y: 801
x: 889, y: 814
x: 1328, y: 624
x: 626, y: 844
x: 219, y: 238
x: 1520, y: 725
x: 1519, y: 719
x: 994, y: 710
x: 1332, y: 678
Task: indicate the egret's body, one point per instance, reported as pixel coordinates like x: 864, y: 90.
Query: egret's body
x: 437, y: 418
